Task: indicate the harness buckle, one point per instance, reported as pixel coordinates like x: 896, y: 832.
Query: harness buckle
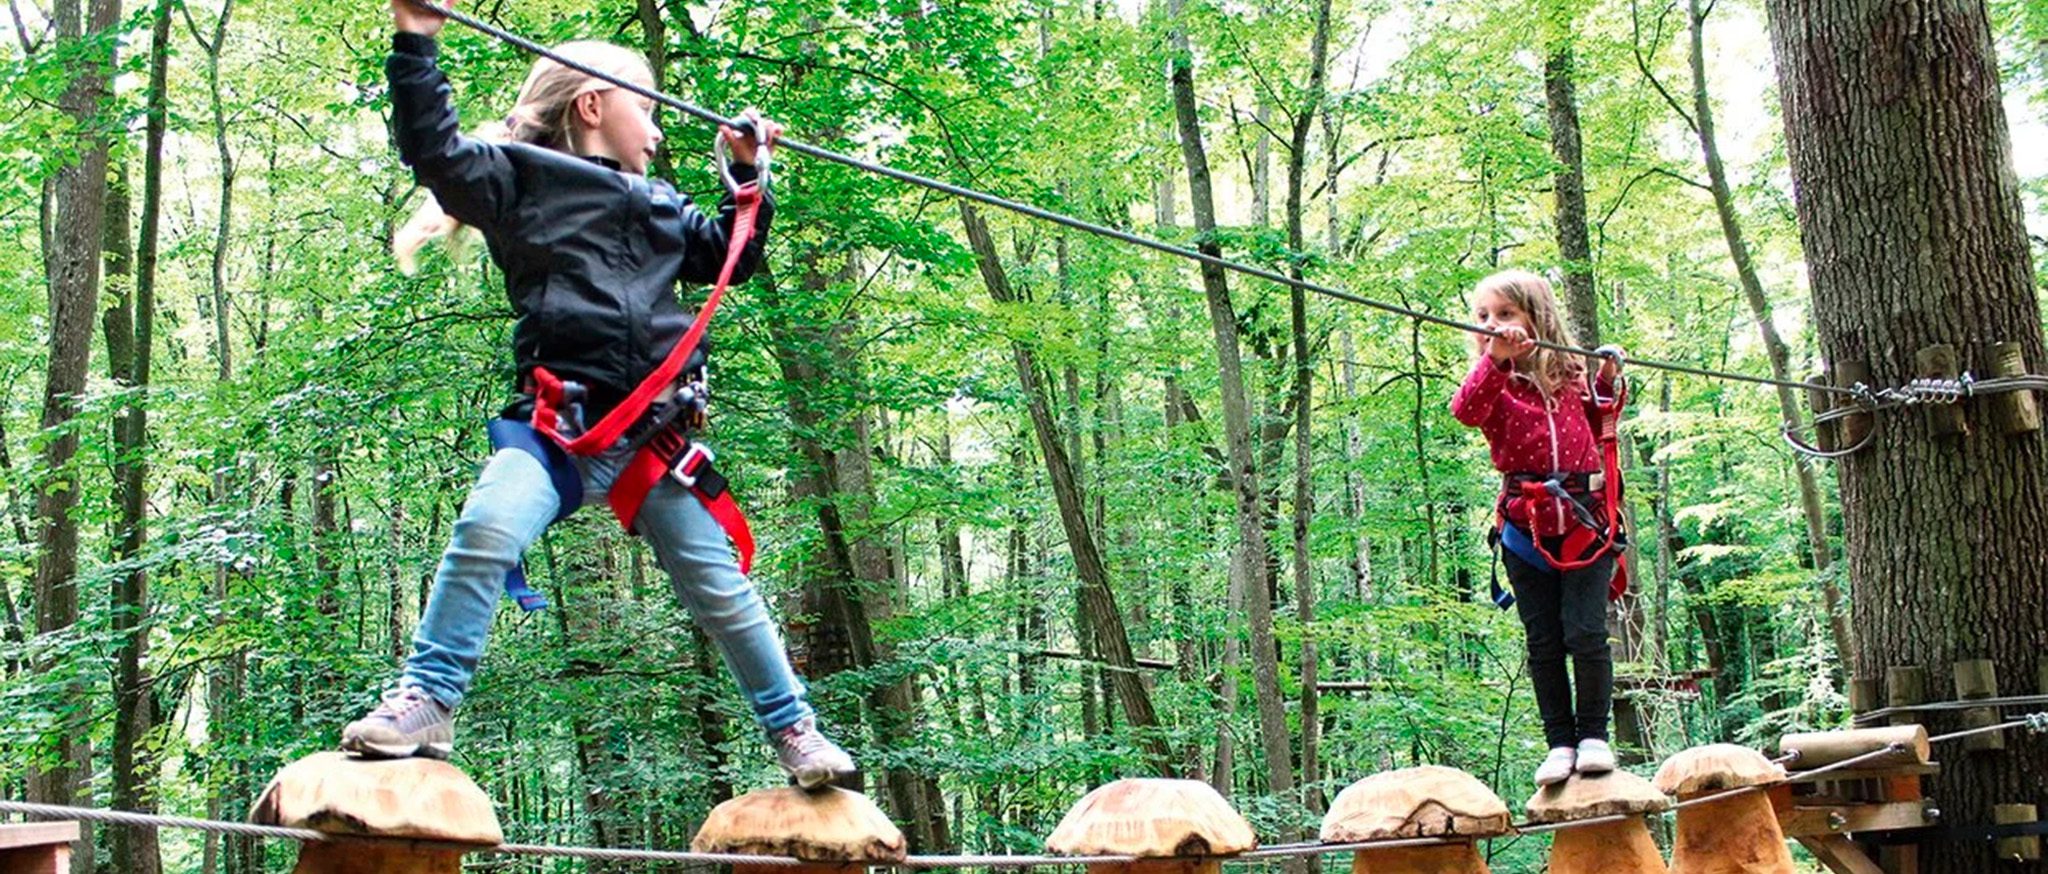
x: 694, y: 458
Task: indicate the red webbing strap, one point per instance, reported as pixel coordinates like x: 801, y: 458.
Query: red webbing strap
x: 646, y: 470
x: 608, y: 430
x: 724, y: 509
x: 1609, y: 439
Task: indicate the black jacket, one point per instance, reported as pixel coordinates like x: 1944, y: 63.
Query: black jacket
x: 591, y: 255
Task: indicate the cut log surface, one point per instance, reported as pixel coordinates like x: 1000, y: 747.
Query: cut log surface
x: 1821, y: 748
x: 1153, y: 818
x: 1587, y: 796
x: 1429, y: 801
x: 1715, y: 767
x: 824, y: 825
x: 411, y: 798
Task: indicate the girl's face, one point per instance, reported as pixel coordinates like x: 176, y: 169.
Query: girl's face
x: 619, y: 124
x: 1493, y: 311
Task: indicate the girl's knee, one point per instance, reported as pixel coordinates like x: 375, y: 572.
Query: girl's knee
x: 1585, y: 643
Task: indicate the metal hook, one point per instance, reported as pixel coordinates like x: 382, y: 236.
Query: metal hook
x: 722, y: 158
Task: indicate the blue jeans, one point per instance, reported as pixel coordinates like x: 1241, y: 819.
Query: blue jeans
x: 508, y: 508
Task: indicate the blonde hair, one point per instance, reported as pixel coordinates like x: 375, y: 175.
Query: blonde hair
x: 1531, y: 294
x: 543, y: 115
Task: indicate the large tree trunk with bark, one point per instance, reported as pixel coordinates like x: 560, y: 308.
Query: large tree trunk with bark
x: 1248, y: 559
x: 77, y: 211
x: 1914, y: 236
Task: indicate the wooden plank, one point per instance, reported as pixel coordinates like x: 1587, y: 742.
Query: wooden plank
x: 1839, y: 855
x: 2014, y: 412
x: 36, y: 834
x: 1901, y: 789
x: 1853, y: 818
x: 54, y: 859
x: 1904, y: 686
x: 2026, y: 848
x: 1899, y: 858
x: 1976, y: 680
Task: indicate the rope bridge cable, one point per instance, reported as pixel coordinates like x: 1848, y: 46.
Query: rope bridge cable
x: 2037, y: 722
x: 1064, y: 220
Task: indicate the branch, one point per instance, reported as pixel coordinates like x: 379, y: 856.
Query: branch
x: 30, y: 46
x: 1643, y: 62
x: 1683, y: 178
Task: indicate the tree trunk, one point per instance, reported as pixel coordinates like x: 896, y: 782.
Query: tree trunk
x: 77, y: 225
x: 1304, y: 373
x: 1582, y: 305
x: 1249, y: 556
x: 1760, y: 310
x: 1105, y: 621
x: 1912, y: 227
x: 130, y: 331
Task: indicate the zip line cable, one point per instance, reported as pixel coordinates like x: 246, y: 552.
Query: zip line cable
x: 1064, y: 220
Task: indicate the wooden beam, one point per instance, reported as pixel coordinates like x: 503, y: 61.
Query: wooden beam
x: 36, y: 847
x: 36, y: 834
x: 1845, y: 819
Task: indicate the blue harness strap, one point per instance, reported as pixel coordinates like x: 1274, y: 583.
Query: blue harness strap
x: 508, y: 433
x: 1512, y: 538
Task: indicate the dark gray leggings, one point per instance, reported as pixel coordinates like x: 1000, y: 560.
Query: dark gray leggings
x: 1566, y: 613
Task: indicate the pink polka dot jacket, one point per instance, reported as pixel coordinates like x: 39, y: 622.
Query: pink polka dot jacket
x: 1530, y: 433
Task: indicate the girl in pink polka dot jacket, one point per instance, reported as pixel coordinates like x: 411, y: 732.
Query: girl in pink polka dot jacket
x: 1537, y: 411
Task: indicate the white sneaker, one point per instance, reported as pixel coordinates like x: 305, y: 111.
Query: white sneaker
x: 1595, y: 756
x: 808, y: 756
x: 1556, y: 767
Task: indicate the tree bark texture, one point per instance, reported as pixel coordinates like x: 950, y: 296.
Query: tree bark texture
x: 1249, y: 557
x: 77, y: 211
x: 1911, y: 222
x: 1582, y: 305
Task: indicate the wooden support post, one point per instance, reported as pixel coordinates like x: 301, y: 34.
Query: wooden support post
x: 1821, y: 402
x: 2013, y: 412
x: 1848, y: 374
x: 1905, y: 686
x: 2025, y: 848
x: 36, y: 847
x: 1940, y: 361
x: 1865, y: 694
x: 1977, y: 679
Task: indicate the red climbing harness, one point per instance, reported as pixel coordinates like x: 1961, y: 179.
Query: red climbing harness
x: 1592, y: 538
x: 664, y: 446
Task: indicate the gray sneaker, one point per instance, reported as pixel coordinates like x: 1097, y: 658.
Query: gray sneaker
x: 407, y: 723
x: 810, y: 758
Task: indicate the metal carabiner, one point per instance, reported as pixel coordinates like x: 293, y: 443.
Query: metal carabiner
x: 721, y: 157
